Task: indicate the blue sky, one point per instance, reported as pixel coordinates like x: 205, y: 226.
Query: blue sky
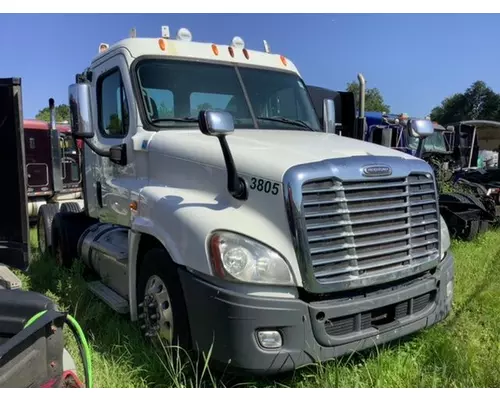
x: 414, y: 59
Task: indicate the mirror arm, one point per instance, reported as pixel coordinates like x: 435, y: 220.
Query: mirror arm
x: 420, y: 148
x: 235, y: 185
x: 97, y: 150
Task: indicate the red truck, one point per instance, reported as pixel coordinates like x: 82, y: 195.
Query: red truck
x: 53, y: 170
x: 53, y: 165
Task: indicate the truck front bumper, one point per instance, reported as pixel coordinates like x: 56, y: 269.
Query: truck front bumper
x: 227, y: 322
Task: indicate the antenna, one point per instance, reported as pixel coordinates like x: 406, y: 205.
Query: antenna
x: 165, y: 32
x: 266, y: 47
x: 133, y: 33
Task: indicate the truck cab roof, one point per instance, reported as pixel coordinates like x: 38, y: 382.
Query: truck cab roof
x: 233, y: 53
x: 38, y: 125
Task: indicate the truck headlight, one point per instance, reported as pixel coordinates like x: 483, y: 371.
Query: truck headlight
x: 445, y: 238
x: 240, y: 258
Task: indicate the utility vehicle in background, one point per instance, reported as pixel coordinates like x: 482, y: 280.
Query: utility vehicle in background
x: 222, y: 217
x: 472, y: 142
x: 466, y: 213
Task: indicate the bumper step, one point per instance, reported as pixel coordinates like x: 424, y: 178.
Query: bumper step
x: 109, y: 296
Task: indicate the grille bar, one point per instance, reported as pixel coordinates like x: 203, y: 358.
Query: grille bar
x: 358, y: 228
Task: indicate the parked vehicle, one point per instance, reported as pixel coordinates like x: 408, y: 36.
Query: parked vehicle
x: 473, y: 142
x: 32, y: 352
x: 53, y: 166
x: 220, y: 216
x: 466, y: 214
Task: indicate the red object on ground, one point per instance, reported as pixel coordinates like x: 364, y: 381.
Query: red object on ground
x: 68, y: 380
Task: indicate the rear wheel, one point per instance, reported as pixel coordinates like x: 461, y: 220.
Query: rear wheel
x: 46, y: 214
x: 162, y: 310
x: 71, y: 206
x: 66, y: 231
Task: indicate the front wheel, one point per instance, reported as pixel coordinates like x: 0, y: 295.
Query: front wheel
x: 162, y: 310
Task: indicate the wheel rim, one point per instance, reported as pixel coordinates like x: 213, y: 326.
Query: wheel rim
x: 157, y: 310
x: 42, y: 243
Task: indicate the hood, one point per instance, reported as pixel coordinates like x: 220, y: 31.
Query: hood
x: 265, y: 153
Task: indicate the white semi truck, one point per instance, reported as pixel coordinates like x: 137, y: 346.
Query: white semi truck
x: 219, y: 213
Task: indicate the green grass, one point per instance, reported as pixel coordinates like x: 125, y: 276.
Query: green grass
x: 462, y: 351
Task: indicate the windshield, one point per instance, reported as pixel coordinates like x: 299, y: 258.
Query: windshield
x: 67, y: 144
x: 173, y: 92
x: 434, y: 143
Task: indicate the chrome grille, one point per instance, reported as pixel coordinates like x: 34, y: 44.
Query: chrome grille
x: 364, y: 228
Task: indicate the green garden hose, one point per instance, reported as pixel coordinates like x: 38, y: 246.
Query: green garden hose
x: 80, y: 340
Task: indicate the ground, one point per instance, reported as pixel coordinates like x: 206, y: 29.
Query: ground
x: 462, y: 351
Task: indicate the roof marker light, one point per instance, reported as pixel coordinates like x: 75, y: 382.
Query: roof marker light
x: 162, y: 44
x: 231, y: 51
x: 245, y: 53
x: 283, y: 60
x: 238, y: 42
x: 184, y: 34
x: 215, y: 49
x: 267, y: 49
x: 103, y: 47
x: 165, y: 32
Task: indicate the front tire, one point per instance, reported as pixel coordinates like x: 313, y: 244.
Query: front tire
x: 162, y: 310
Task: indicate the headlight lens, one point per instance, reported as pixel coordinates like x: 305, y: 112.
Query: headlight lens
x: 445, y: 238
x: 239, y: 258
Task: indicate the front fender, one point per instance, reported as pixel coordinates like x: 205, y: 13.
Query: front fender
x: 183, y: 220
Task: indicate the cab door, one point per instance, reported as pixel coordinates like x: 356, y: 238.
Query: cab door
x: 113, y: 125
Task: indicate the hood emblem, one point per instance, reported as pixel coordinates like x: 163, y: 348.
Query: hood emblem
x: 377, y: 170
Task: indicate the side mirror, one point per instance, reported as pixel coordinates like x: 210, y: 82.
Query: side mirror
x: 420, y: 128
x: 80, y: 111
x: 220, y: 124
x: 450, y: 128
x: 216, y: 123
x: 329, y: 115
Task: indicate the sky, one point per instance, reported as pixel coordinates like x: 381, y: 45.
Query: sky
x: 415, y: 60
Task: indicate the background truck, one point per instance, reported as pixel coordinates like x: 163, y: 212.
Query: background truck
x: 53, y: 165
x: 54, y: 175
x: 273, y: 247
x: 465, y: 206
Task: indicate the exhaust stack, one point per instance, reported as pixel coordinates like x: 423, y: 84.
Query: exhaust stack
x: 57, y: 177
x: 52, y: 114
x: 360, y: 121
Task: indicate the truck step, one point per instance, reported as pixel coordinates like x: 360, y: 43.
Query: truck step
x: 8, y: 280
x: 109, y: 296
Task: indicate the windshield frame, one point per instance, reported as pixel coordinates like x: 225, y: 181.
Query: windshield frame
x: 149, y: 126
x: 434, y: 149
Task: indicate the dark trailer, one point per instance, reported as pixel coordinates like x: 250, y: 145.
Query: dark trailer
x: 344, y: 108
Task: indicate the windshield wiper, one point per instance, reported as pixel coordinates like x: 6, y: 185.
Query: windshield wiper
x: 175, y: 119
x: 296, y: 122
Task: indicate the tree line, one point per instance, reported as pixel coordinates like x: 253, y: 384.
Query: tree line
x: 478, y: 101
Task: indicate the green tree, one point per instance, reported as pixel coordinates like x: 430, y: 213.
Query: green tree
x: 477, y: 102
x: 374, y: 101
x: 164, y: 111
x: 115, y: 124
x: 62, y: 113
